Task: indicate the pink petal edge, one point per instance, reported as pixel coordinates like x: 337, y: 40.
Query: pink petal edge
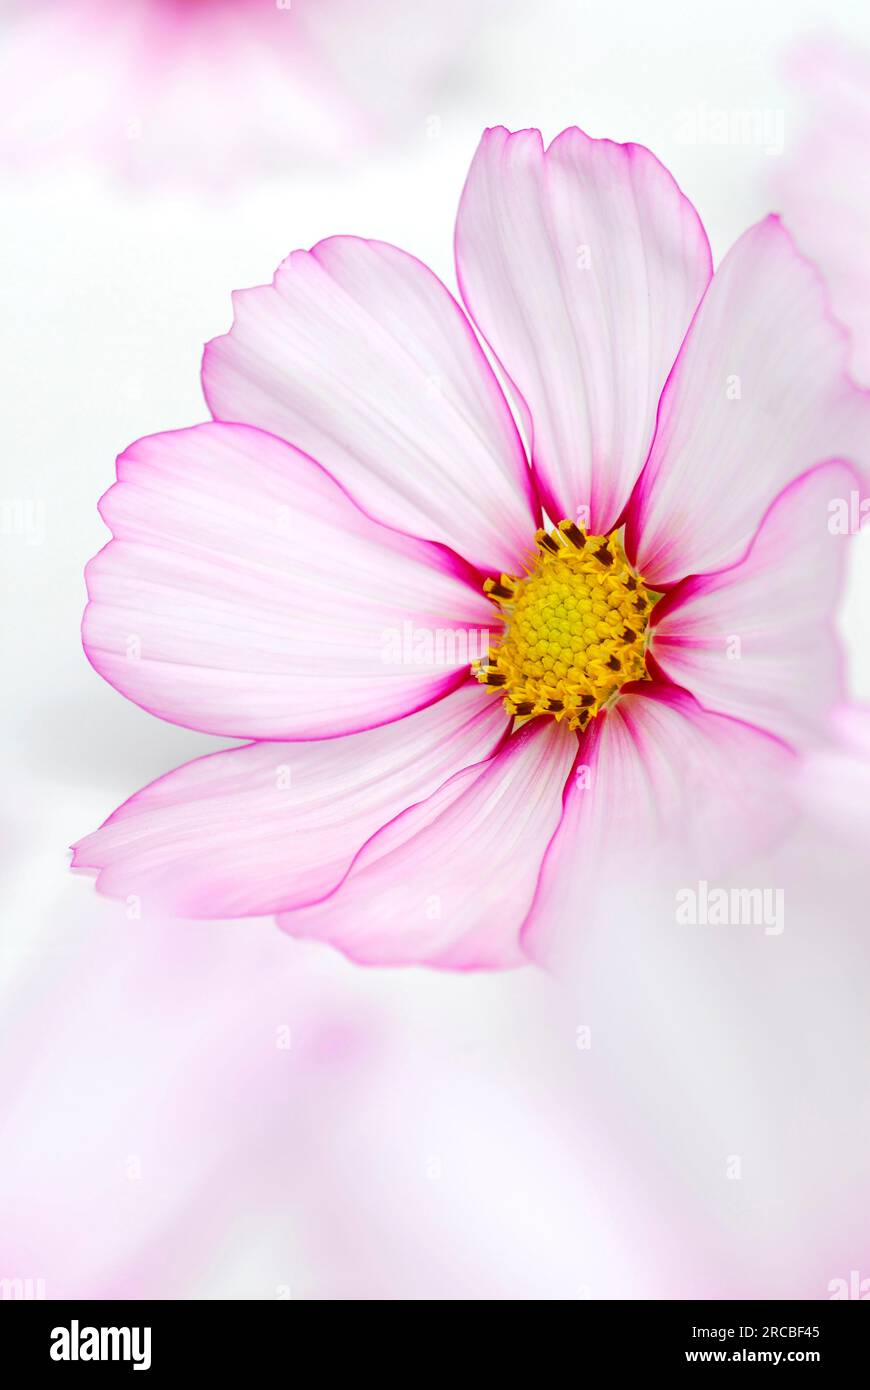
x: 759, y: 394
x: 246, y: 595
x: 758, y: 640
x: 267, y: 827
x: 585, y: 330
x: 448, y: 882
x: 359, y: 355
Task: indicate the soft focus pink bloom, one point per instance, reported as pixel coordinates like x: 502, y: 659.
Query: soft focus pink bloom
x: 193, y: 1113
x: 198, y: 1112
x: 823, y: 184
x: 834, y: 782
x: 364, y: 475
x: 195, y: 1110
x: 210, y: 89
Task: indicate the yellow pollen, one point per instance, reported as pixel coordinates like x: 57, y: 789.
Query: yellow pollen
x: 575, y: 628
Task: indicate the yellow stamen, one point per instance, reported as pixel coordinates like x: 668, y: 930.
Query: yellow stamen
x: 575, y: 628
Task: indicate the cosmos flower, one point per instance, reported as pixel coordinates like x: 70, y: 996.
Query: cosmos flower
x: 210, y: 90
x: 488, y: 682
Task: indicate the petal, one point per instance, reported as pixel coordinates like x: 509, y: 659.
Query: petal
x: 449, y: 882
x: 834, y: 779
x: 582, y: 266
x: 757, y: 641
x: 357, y: 354
x: 821, y: 186
x: 254, y: 830
x: 246, y: 595
x: 758, y: 395
x: 662, y: 793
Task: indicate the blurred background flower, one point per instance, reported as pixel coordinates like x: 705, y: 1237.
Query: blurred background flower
x: 204, y: 91
x: 823, y: 184
x: 212, y: 1111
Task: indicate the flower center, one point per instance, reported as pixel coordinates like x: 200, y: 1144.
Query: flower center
x: 575, y: 628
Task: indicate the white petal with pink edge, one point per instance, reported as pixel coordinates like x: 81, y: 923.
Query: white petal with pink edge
x: 757, y: 641
x: 254, y: 830
x: 758, y: 395
x: 663, y: 793
x: 834, y: 780
x: 244, y: 594
x: 582, y: 266
x: 358, y: 354
x: 449, y: 882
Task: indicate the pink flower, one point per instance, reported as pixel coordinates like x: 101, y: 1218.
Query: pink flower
x: 313, y: 571
x: 208, y: 90
x: 834, y: 780
x: 823, y: 186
